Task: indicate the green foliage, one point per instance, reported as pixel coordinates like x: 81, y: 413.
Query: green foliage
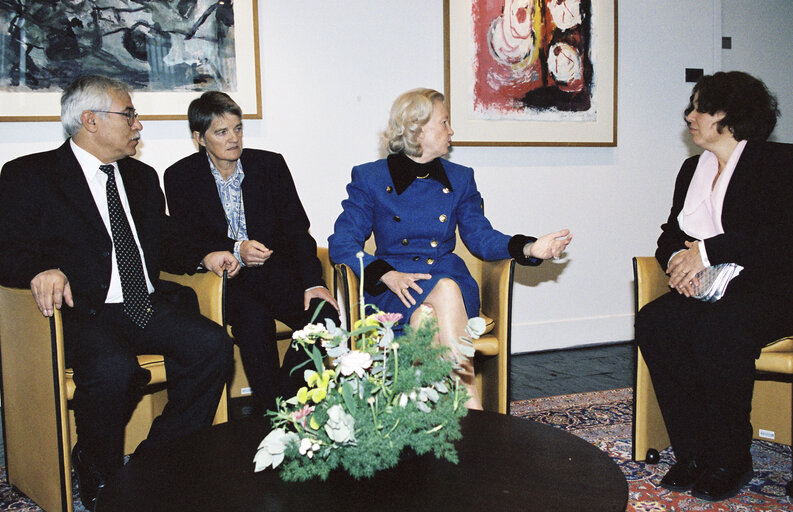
x: 398, y: 393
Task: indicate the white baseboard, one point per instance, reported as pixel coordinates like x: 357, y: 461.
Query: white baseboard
x: 567, y: 333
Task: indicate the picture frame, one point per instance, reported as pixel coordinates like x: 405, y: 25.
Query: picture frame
x: 19, y: 103
x: 517, y: 76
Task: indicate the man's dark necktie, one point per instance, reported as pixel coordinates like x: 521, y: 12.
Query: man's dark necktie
x: 137, y: 305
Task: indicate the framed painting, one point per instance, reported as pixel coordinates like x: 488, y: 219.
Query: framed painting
x: 531, y: 72
x: 169, y: 51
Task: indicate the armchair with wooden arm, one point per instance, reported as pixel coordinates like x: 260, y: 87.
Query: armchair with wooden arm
x: 38, y: 423
x: 495, y: 280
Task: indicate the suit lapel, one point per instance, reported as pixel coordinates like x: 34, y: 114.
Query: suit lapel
x: 208, y: 192
x: 71, y: 180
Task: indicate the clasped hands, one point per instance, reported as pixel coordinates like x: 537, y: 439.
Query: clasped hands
x: 253, y: 254
x: 683, y: 269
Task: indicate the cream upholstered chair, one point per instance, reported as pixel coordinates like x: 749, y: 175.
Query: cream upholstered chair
x: 491, y: 363
x: 239, y: 383
x: 37, y: 421
x: 772, y: 402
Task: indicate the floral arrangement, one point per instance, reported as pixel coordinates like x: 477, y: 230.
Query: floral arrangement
x: 377, y: 397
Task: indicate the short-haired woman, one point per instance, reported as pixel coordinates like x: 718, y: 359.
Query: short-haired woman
x: 726, y: 248
x: 412, y: 202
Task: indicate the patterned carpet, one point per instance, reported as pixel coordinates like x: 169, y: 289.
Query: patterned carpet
x: 604, y: 419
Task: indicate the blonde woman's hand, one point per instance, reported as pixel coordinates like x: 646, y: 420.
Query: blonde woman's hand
x: 400, y: 283
x: 549, y: 246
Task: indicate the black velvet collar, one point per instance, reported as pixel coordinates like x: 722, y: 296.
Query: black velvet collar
x: 405, y: 171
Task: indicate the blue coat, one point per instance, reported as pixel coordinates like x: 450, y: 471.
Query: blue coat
x: 415, y: 231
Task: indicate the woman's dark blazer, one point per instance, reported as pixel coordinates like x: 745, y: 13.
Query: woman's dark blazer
x: 757, y: 216
x: 273, y: 213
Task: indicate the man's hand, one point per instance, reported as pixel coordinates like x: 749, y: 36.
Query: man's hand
x: 254, y: 253
x: 50, y: 290
x: 321, y: 293
x: 219, y: 261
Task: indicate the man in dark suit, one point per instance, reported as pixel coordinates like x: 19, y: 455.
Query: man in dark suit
x: 244, y: 201
x: 84, y: 226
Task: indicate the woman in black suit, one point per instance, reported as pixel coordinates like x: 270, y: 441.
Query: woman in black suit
x: 730, y: 217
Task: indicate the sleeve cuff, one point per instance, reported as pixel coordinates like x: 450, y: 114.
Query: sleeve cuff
x: 703, y: 254
x: 515, y: 248
x: 372, y: 274
x: 237, y: 245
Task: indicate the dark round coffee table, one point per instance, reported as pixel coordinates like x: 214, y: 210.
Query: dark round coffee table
x: 505, y: 464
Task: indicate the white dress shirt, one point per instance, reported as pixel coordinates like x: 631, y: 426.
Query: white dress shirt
x: 97, y: 182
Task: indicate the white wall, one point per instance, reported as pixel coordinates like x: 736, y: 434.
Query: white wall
x: 762, y: 44
x: 331, y: 71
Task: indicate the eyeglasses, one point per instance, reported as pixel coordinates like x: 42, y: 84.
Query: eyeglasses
x: 131, y: 114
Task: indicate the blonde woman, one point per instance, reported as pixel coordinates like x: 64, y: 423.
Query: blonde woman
x: 413, y: 201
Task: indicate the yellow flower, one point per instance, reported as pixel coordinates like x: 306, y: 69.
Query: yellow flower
x: 370, y: 321
x: 313, y: 423
x: 320, y: 381
x: 302, y: 395
x: 318, y: 395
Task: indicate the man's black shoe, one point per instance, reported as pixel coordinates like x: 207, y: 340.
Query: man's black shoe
x: 718, y: 484
x: 682, y: 475
x: 89, y: 479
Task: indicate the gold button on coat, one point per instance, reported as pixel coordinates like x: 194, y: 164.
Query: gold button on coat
x: 430, y: 261
x: 396, y: 218
x: 442, y: 218
x: 434, y: 243
x: 445, y: 190
x: 388, y: 189
x: 405, y: 241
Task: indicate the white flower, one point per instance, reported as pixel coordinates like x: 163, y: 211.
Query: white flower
x: 305, y: 445
x: 475, y: 327
x: 271, y: 449
x: 356, y: 362
x: 340, y: 426
x: 403, y: 400
x: 311, y: 332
